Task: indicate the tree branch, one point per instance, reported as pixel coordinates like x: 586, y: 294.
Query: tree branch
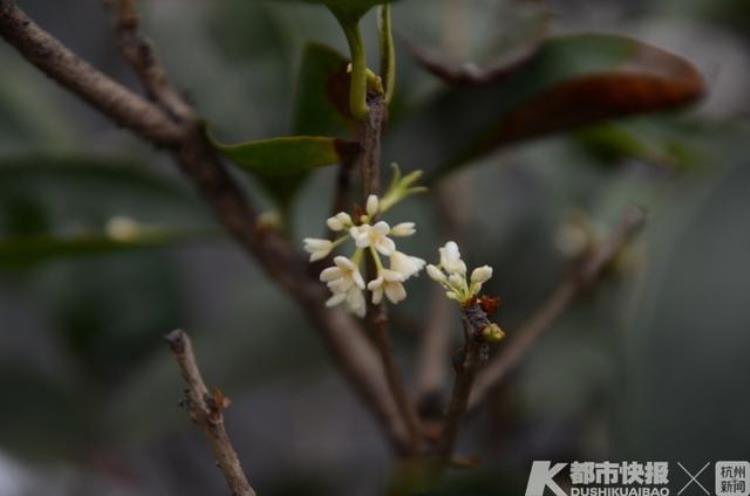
x: 139, y: 52
x: 352, y: 352
x: 588, y: 272
x: 58, y: 62
x: 207, y: 411
x: 474, y: 322
x: 370, y: 134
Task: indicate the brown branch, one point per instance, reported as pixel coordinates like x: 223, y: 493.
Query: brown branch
x: 139, y: 52
x: 394, y: 378
x: 474, y: 322
x: 207, y: 411
x: 65, y: 67
x: 588, y: 272
x: 370, y: 135
x: 352, y: 352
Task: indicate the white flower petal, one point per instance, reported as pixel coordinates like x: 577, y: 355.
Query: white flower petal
x: 385, y: 245
x: 357, y: 278
x: 405, y: 264
x: 356, y: 301
x: 344, y: 263
x: 377, y: 295
x: 395, y: 292
x: 381, y: 228
x: 330, y: 274
x: 375, y: 283
x: 318, y: 248
x: 391, y: 276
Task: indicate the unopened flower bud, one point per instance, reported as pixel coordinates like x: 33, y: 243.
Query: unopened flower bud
x: 373, y: 205
x: 481, y: 275
x: 436, y: 274
x: 492, y: 333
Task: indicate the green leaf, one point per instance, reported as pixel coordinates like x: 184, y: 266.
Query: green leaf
x: 282, y: 164
x: 657, y: 141
x: 22, y: 252
x: 352, y: 9
x: 567, y: 82
x: 76, y: 172
x: 322, y: 100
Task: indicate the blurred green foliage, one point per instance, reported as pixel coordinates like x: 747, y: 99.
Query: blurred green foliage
x: 652, y: 365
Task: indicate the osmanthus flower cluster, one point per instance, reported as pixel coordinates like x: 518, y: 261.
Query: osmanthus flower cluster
x: 451, y: 273
x: 372, y: 238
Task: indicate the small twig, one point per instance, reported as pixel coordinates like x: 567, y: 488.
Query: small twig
x: 543, y: 319
x: 139, y: 52
x: 207, y: 411
x: 474, y: 322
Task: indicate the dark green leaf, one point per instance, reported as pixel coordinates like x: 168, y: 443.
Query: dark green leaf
x: 282, y: 164
x: 30, y: 250
x: 322, y: 100
x: 350, y: 9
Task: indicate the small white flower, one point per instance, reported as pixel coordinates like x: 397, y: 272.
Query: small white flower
x: 343, y: 277
x: 406, y: 265
x: 373, y: 206
x: 450, y: 259
x: 436, y: 274
x: 374, y: 236
x: 339, y: 222
x: 451, y: 274
x: 403, y: 229
x: 390, y: 283
x: 318, y: 248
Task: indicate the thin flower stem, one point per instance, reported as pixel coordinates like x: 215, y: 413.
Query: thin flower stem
x: 387, y: 53
x: 358, y: 91
x: 376, y: 258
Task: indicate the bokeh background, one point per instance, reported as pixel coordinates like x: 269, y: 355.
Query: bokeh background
x: 652, y: 365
